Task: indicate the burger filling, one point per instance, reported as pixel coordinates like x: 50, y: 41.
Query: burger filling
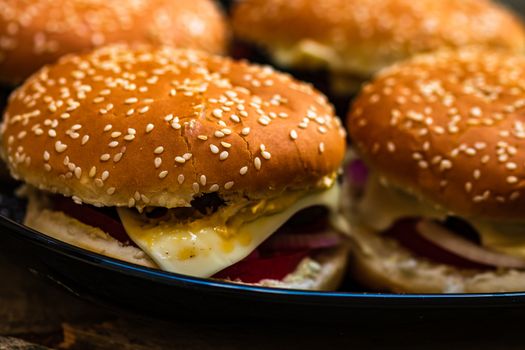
x: 245, y: 240
x: 313, y: 62
x: 430, y: 232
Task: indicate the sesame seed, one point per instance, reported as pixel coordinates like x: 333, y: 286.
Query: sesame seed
x: 143, y: 109
x: 235, y: 118
x: 203, y: 180
x: 214, y: 149
x: 149, y: 127
x: 266, y: 155
x: 321, y: 147
x: 180, y: 179
x: 168, y: 118
x: 60, y: 147
x: 243, y: 170
x: 158, y: 150
x: 226, y: 144
x: 92, y: 171
x: 228, y: 185
x: 214, y: 188
x: 293, y: 135
x: 257, y: 163
x: 105, y: 157
x: 131, y: 100
x: 512, y: 179
x: 195, y: 187
x: 217, y: 113
x: 117, y: 157
x: 116, y: 134
x: 46, y: 155
x: 223, y: 155
x: 263, y: 121
x: 163, y: 174
x: 187, y: 156
x: 219, y: 134
x: 85, y: 139
x: 108, y: 127
x: 129, y: 137
x: 105, y: 175
x: 78, y: 172
x: 158, y: 162
x: 245, y: 131
x: 445, y: 164
x: 511, y: 166
x: 52, y: 133
x: 113, y: 144
x: 180, y: 160
x: 202, y: 137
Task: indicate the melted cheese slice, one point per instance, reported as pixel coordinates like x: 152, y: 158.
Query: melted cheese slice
x: 381, y: 206
x: 203, y: 250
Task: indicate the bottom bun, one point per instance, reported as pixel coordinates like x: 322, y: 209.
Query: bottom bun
x: 67, y: 229
x: 382, y: 264
x: 322, y: 272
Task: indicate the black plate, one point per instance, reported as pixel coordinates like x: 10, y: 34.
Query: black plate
x: 168, y: 295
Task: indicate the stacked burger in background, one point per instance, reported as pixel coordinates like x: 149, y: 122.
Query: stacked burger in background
x: 160, y: 153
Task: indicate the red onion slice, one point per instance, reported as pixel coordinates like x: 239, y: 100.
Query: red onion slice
x: 462, y: 247
x: 357, y: 173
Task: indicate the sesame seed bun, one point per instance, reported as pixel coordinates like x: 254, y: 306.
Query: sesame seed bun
x: 362, y: 36
x: 324, y: 271
x: 38, y: 32
x: 448, y: 127
x: 156, y: 127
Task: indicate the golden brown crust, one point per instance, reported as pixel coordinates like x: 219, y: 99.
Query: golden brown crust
x: 38, y: 32
x: 449, y: 127
x: 366, y: 35
x: 144, y: 126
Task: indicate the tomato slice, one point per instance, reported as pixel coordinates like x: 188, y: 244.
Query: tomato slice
x: 96, y: 217
x: 253, y: 270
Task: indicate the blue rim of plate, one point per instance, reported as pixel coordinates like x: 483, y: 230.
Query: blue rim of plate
x: 168, y: 277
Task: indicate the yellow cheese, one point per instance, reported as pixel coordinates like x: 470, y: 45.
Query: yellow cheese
x: 205, y: 247
x: 381, y: 206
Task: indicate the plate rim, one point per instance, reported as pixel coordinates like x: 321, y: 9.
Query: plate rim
x: 165, y: 277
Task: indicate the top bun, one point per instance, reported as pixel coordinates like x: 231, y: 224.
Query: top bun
x: 37, y: 32
x: 449, y: 127
x: 362, y: 36
x: 143, y: 126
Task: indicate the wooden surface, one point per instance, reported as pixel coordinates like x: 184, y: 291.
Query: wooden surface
x: 35, y: 314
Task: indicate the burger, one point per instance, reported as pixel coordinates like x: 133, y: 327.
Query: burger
x: 352, y: 40
x: 184, y: 161
x: 436, y: 187
x: 37, y: 32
